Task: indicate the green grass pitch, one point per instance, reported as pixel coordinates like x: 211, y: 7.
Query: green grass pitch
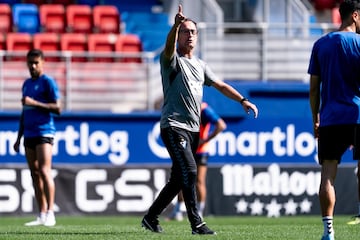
x: 121, y: 227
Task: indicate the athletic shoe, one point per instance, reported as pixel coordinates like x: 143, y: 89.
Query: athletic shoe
x: 151, y: 224
x: 37, y: 222
x: 328, y: 237
x: 50, y: 219
x: 354, y: 220
x: 202, y: 229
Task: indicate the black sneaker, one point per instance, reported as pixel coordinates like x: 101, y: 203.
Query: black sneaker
x: 202, y: 229
x: 151, y: 224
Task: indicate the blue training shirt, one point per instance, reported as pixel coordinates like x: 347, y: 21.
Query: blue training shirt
x: 37, y: 122
x: 335, y: 58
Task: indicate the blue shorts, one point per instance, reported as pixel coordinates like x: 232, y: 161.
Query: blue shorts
x: 201, y: 159
x: 335, y: 140
x: 32, y: 142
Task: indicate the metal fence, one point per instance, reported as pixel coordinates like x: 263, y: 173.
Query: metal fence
x: 243, y: 51
x: 104, y: 85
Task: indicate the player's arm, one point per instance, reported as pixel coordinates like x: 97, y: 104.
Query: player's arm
x: 220, y: 126
x: 314, y: 97
x: 170, y: 46
x: 230, y: 92
x: 20, y: 133
x: 54, y: 107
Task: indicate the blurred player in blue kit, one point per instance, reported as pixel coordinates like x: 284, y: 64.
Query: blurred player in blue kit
x: 334, y: 70
x: 40, y: 100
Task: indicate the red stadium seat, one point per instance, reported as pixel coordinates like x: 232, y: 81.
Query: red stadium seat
x: 335, y: 16
x: 129, y: 43
x: 2, y: 42
x: 19, y: 42
x: 106, y: 19
x: 79, y: 18
x: 49, y: 43
x: 36, y: 2
x: 52, y: 18
x: 102, y: 43
x: 64, y: 2
x: 5, y: 18
x: 75, y: 43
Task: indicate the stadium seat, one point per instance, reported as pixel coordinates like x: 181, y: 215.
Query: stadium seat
x: 36, y: 2
x: 100, y: 43
x: 64, y: 2
x: 52, y: 18
x: 91, y: 3
x: 128, y: 43
x: 49, y: 43
x: 11, y: 2
x: 138, y: 21
x: 5, y: 18
x: 75, y: 43
x: 153, y: 40
x: 335, y: 16
x: 2, y: 42
x: 132, y: 6
x: 19, y: 42
x: 25, y: 18
x: 79, y: 18
x: 106, y: 19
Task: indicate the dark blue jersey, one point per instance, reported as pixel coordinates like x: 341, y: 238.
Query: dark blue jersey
x: 38, y: 122
x: 335, y: 59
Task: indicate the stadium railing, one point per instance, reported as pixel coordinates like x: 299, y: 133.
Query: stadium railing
x: 258, y: 52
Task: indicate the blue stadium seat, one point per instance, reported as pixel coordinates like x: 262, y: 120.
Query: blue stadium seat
x: 11, y: 2
x: 132, y: 5
x: 91, y: 3
x: 136, y: 21
x: 153, y: 40
x: 26, y: 18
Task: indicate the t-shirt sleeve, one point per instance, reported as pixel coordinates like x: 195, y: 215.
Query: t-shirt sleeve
x: 210, y: 76
x: 314, y: 66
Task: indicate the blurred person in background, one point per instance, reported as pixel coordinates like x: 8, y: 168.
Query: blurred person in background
x: 40, y: 100
x: 334, y: 70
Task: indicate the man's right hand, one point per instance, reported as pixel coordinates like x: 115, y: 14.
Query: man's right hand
x: 179, y: 17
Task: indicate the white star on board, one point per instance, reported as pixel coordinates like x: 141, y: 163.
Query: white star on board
x: 241, y: 206
x: 256, y: 207
x: 273, y: 208
x: 305, y: 206
x: 290, y: 207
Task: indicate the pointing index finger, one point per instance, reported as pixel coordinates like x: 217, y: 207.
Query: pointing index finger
x: 180, y: 8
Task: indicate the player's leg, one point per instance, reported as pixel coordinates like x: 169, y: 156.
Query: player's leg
x: 327, y: 194
x: 201, y: 188
x: 37, y: 182
x: 179, y: 209
x: 333, y: 142
x: 44, y: 153
x: 356, y: 151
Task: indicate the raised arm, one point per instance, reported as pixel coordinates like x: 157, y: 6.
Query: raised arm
x: 170, y: 46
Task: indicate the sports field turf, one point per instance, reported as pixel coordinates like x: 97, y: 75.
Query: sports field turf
x: 104, y: 227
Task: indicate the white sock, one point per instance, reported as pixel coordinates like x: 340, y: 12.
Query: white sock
x: 201, y: 208
x: 328, y: 225
x: 50, y: 212
x: 42, y: 216
x: 182, y: 207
